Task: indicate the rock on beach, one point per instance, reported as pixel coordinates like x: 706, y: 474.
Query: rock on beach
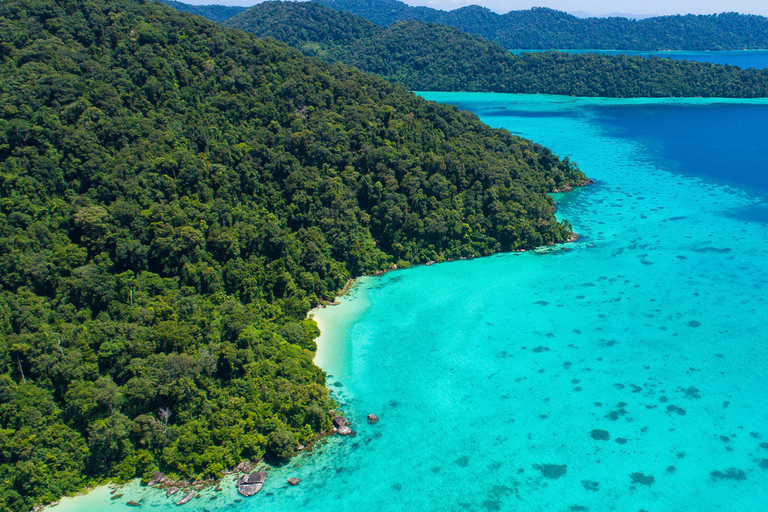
x: 157, y: 478
x: 187, y: 497
x: 248, y: 485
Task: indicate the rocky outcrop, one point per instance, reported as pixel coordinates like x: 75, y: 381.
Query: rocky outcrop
x: 568, y: 188
x: 339, y: 421
x: 243, y: 467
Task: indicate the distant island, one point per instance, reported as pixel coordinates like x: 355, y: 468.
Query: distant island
x: 433, y: 57
x: 544, y: 29
x: 175, y: 197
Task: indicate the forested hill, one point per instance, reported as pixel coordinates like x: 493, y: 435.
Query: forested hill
x: 429, y: 56
x: 543, y: 28
x: 216, y: 13
x: 174, y: 197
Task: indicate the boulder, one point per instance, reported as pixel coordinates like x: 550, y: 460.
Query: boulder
x: 248, y: 485
x: 171, y: 491
x: 344, y: 430
x: 339, y: 421
x: 372, y: 418
x: 294, y: 481
x: 132, y: 503
x: 257, y: 477
x: 187, y: 497
x: 248, y: 490
x: 157, y: 478
x: 243, y: 467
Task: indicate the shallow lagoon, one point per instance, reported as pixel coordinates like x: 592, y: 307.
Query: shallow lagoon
x: 497, y: 380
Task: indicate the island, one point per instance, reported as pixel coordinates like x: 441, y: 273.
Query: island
x: 175, y: 197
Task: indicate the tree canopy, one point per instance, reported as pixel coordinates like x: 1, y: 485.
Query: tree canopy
x: 217, y: 13
x: 542, y: 28
x: 433, y: 57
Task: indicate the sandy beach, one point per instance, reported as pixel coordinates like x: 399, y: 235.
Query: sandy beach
x: 335, y: 322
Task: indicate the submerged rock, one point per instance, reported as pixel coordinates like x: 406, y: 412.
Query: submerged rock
x: 641, y: 478
x: 294, y: 481
x: 729, y: 474
x: 551, y: 470
x: 132, y: 503
x: 372, y: 418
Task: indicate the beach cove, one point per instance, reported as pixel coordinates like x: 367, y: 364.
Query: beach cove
x: 625, y: 372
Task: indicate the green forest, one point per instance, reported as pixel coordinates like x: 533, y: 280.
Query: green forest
x: 174, y: 197
x: 433, y: 57
x: 541, y: 28
x: 215, y: 12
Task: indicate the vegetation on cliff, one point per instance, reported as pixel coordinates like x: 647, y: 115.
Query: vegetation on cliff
x: 174, y: 197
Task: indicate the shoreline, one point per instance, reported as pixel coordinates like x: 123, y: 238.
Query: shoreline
x: 330, y: 355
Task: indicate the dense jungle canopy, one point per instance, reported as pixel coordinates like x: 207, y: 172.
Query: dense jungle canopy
x: 541, y: 28
x: 433, y: 57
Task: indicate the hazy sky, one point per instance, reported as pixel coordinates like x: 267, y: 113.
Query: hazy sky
x: 661, y: 7
x: 598, y: 7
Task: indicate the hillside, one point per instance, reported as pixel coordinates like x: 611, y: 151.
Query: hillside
x: 433, y: 57
x: 217, y: 13
x: 174, y: 197
x: 543, y: 28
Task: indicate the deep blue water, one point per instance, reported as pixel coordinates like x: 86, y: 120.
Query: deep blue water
x: 725, y: 142
x: 719, y: 140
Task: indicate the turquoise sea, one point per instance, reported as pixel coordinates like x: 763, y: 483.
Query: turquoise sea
x: 627, y: 371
